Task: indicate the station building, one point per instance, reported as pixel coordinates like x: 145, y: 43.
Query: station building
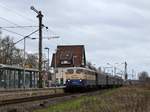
x: 67, y: 56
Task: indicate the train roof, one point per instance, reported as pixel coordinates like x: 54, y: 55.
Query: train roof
x: 17, y: 67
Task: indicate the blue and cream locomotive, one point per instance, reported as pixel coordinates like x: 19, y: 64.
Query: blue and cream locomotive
x: 78, y: 77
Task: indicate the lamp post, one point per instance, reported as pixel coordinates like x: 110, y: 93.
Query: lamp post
x: 46, y: 48
x: 24, y: 59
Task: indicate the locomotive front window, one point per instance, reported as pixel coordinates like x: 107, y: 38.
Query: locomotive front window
x: 70, y: 71
x: 79, y: 71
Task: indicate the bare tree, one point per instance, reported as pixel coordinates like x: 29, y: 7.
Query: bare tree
x: 11, y: 55
x: 6, y: 50
x: 143, y: 76
x: 32, y: 61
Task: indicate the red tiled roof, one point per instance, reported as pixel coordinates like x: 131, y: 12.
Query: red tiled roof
x: 69, y: 56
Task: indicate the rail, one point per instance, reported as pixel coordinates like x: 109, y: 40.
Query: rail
x: 29, y: 89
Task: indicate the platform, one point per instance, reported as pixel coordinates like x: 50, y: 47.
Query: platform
x: 22, y: 93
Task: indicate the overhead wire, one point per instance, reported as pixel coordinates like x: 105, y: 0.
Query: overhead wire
x: 4, y: 19
x: 17, y: 26
x: 16, y: 12
x: 19, y: 33
x: 24, y: 37
x: 12, y: 32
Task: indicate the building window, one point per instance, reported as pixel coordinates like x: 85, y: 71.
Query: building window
x: 65, y: 62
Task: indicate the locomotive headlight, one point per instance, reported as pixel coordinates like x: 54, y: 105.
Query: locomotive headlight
x: 68, y: 80
x: 80, y: 80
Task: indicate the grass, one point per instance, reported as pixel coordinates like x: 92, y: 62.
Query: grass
x: 125, y: 99
x: 65, y: 106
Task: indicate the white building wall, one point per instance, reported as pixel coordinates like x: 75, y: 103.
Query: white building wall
x: 60, y: 76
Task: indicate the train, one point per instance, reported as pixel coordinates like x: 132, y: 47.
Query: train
x: 84, y: 79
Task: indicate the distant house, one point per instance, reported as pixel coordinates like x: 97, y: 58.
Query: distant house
x: 69, y: 56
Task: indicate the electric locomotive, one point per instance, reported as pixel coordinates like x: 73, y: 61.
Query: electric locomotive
x: 81, y: 78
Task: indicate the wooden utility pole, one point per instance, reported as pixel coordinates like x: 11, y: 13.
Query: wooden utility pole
x: 40, y: 16
x: 40, y: 48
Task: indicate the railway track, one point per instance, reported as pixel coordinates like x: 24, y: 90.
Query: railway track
x: 30, y: 99
x: 38, y: 98
x: 31, y: 103
x: 28, y: 89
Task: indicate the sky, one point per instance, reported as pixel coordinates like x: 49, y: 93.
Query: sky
x: 113, y: 31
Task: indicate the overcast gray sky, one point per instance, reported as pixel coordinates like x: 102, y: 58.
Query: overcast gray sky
x: 113, y: 31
